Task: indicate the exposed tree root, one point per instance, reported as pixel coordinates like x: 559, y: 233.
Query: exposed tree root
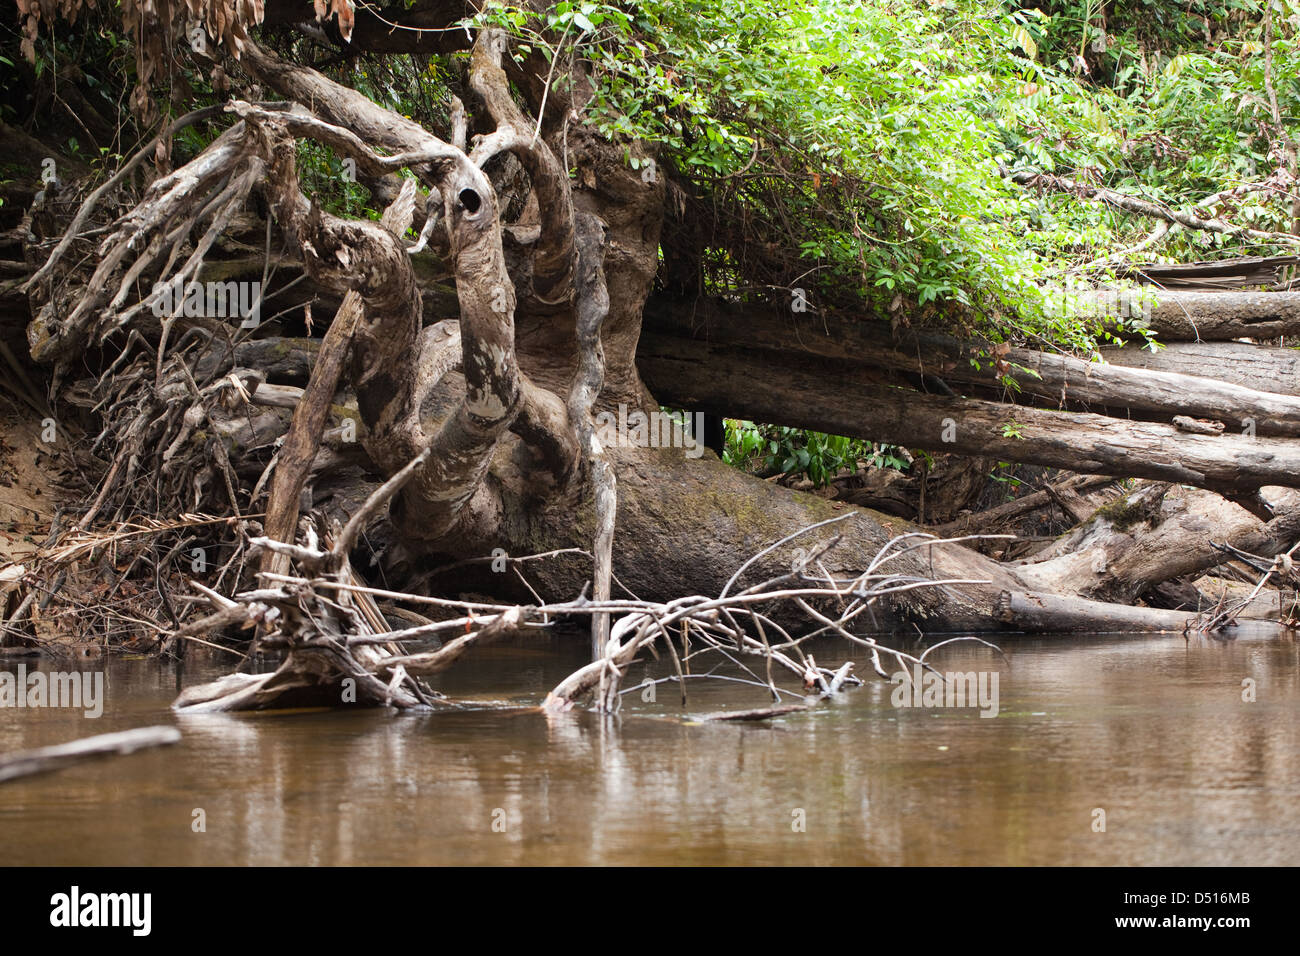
x: 473, y: 412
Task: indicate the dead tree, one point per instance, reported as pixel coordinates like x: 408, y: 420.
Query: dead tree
x: 474, y: 406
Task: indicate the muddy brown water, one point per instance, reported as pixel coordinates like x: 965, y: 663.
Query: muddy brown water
x: 1152, y: 730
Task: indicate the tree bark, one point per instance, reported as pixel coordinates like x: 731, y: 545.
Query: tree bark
x: 1062, y: 380
x: 1055, y: 613
x: 844, y: 398
x: 482, y: 425
x: 1260, y: 367
x: 1221, y: 316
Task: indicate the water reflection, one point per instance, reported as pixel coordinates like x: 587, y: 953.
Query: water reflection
x: 1152, y: 730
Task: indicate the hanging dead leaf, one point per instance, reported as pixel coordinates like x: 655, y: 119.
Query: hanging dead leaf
x: 346, y: 18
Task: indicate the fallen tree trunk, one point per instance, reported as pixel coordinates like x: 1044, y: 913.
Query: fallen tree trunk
x: 1169, y: 394
x: 697, y: 511
x: 1039, y: 612
x: 1261, y: 367
x: 1060, y: 379
x: 481, y: 430
x: 792, y: 390
x: 1221, y: 316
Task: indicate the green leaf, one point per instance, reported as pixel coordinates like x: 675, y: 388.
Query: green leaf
x: 1025, y: 41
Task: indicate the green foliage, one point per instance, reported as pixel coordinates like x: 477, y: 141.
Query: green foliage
x: 1164, y: 101
x: 883, y: 116
x: 862, y: 150
x: 1004, y: 474
x: 746, y: 446
x: 774, y: 450
x: 863, y: 143
x: 877, y: 138
x: 97, y: 58
x: 325, y: 180
x: 871, y: 138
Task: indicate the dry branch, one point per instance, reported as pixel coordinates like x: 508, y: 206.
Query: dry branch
x: 29, y: 762
x: 1144, y: 207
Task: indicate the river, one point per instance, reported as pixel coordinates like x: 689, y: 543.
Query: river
x: 1152, y: 731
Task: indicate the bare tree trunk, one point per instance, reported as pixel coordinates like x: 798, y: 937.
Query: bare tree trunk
x: 1055, y: 613
x: 1221, y: 316
x: 1064, y: 381
x: 790, y: 390
x: 1260, y: 367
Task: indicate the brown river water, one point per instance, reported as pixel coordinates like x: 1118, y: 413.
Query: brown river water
x: 1152, y: 730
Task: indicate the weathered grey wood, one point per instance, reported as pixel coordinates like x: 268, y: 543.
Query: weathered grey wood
x: 1208, y: 275
x: 1038, y: 612
x: 1065, y: 378
x: 28, y: 762
x: 841, y: 398
x: 277, y: 396
x: 1219, y: 316
x: 1062, y: 380
x: 1262, y: 367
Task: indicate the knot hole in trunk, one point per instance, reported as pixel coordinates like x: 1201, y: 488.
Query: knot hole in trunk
x: 470, y: 201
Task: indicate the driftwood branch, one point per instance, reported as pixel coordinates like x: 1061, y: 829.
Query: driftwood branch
x: 1144, y: 207
x: 29, y: 762
x: 302, y: 441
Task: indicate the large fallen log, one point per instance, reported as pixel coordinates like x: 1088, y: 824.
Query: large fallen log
x: 1220, y: 316
x: 1261, y: 367
x: 1062, y: 380
x: 842, y: 399
x: 1038, y: 612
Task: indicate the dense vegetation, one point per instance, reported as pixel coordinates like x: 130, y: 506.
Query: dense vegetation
x: 868, y: 156
x: 883, y: 134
